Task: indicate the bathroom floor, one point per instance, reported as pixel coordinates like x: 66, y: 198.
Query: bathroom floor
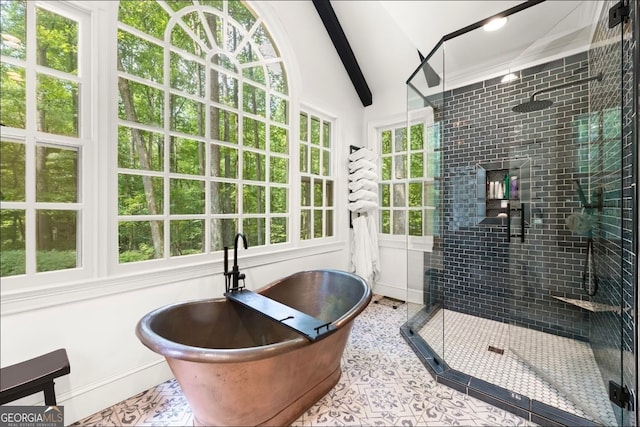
x: 383, y: 383
x: 541, y: 366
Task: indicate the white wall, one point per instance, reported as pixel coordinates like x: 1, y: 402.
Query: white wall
x: 95, y: 320
x: 390, y: 53
x: 387, y: 59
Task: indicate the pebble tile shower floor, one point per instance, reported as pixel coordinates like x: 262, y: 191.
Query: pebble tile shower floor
x: 541, y: 366
x: 383, y: 383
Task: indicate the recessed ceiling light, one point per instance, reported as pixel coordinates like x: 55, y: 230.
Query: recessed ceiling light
x: 509, y: 78
x: 495, y: 24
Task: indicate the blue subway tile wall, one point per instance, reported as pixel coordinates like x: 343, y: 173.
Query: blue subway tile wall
x: 482, y: 274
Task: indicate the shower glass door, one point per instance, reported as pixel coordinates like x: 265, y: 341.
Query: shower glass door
x: 527, y: 291
x: 563, y: 191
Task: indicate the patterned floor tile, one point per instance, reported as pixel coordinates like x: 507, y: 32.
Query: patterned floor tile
x: 383, y: 383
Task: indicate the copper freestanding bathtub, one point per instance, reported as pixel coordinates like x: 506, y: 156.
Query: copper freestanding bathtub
x: 238, y: 367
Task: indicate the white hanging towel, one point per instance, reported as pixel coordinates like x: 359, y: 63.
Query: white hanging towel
x: 363, y: 184
x: 363, y: 174
x: 362, y: 206
x: 362, y: 153
x: 375, y: 250
x: 363, y: 195
x: 361, y: 249
x: 361, y: 164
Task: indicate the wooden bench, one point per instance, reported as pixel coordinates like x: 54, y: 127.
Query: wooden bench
x: 32, y: 376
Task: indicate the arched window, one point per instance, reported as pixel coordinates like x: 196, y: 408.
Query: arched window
x: 203, y: 129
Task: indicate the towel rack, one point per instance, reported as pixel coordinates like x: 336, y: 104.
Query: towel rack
x: 352, y: 149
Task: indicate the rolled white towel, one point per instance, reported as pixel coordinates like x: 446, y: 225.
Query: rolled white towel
x: 362, y: 206
x: 362, y: 153
x: 361, y: 164
x: 363, y: 184
x: 363, y: 195
x: 363, y: 174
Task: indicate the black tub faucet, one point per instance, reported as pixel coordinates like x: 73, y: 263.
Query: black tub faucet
x: 235, y: 276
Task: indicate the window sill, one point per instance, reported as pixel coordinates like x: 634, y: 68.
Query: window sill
x: 34, y: 298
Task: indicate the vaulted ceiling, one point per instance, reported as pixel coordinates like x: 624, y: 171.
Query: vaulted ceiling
x: 384, y: 37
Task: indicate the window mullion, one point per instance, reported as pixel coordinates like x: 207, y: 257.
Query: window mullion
x: 208, y: 157
x: 241, y: 149
x: 166, y: 187
x: 294, y: 196
x: 30, y: 140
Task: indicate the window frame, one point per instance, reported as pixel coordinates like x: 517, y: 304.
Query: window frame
x: 424, y: 242
x: 308, y: 175
x: 101, y: 274
x: 84, y: 143
x: 242, y: 149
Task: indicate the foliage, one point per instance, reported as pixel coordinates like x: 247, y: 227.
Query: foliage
x: 203, y: 144
x: 142, y: 253
x: 12, y: 84
x: 405, y: 165
x: 220, y: 83
x: 12, y: 262
x: 55, y: 260
x: 54, y: 165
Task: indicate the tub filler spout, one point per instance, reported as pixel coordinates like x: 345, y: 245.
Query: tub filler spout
x: 232, y: 279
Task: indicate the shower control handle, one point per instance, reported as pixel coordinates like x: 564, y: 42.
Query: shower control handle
x: 522, y: 206
x: 522, y: 225
x: 508, y: 222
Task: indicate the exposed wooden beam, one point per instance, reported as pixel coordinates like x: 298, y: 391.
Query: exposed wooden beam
x: 340, y: 42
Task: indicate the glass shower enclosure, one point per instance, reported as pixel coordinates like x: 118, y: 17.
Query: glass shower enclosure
x: 529, y: 290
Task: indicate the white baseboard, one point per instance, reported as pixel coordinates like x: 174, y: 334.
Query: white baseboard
x: 93, y: 398
x: 416, y: 297
x: 413, y: 296
x: 390, y: 291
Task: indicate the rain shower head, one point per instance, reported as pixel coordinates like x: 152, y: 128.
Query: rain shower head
x: 535, y: 105
x: 532, y: 105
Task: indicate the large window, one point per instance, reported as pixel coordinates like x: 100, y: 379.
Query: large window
x: 44, y: 83
x: 316, y: 177
x: 156, y: 144
x: 203, y: 135
x: 408, y: 186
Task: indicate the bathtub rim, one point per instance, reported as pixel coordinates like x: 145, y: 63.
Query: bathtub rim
x: 172, y: 349
x: 353, y: 311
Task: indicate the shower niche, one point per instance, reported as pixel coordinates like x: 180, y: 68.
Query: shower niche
x: 503, y: 193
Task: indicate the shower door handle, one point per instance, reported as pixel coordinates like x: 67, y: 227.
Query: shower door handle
x: 522, y: 206
x: 508, y: 222
x: 522, y: 227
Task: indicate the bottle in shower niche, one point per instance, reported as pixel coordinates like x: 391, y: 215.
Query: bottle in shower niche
x: 514, y: 190
x: 505, y: 187
x: 499, y: 190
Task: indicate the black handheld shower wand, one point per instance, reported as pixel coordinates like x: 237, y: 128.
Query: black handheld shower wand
x: 590, y: 271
